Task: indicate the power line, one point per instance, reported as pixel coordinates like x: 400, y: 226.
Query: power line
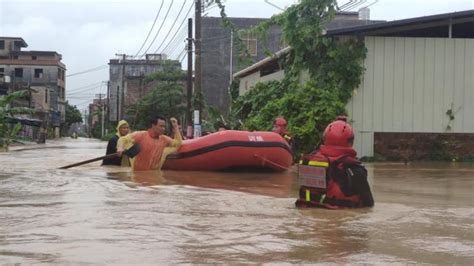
x: 175, y: 45
x: 181, y: 53
x: 159, y: 29
x: 172, y: 26
x: 88, y: 70
x: 84, y: 90
x: 178, y: 52
x: 82, y: 103
x: 151, y: 29
x: 180, y: 26
x: 184, y: 56
x: 173, y: 42
x: 85, y: 86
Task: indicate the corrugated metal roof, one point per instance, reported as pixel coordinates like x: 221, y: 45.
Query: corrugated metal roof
x: 400, y: 23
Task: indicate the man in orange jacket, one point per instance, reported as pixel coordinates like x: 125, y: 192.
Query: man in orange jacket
x: 154, y: 145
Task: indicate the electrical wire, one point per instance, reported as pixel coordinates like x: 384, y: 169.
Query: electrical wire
x: 171, y: 28
x: 181, y: 54
x: 179, y: 38
x: 85, y: 86
x: 151, y: 29
x: 159, y: 29
x: 87, y: 71
x: 182, y: 37
x: 83, y: 90
x: 184, y: 56
x: 180, y: 26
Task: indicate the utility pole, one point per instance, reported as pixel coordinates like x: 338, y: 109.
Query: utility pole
x: 197, y: 59
x: 100, y: 95
x: 121, y: 96
x: 108, y: 105
x: 231, y: 55
x: 123, y: 87
x: 189, y: 84
x: 118, y: 104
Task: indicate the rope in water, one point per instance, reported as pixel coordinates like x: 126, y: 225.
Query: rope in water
x: 275, y: 164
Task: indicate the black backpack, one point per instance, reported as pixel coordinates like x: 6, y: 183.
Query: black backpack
x: 352, y: 179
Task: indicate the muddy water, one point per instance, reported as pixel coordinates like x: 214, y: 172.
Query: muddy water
x: 424, y: 213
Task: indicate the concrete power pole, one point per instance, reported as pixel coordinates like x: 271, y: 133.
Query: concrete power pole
x: 121, y: 94
x: 189, y: 84
x: 107, y: 106
x: 123, y: 87
x: 197, y: 59
x: 100, y: 95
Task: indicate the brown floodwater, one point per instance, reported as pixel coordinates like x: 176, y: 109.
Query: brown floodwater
x: 424, y: 213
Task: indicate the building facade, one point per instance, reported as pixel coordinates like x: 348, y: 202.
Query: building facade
x: 41, y: 72
x: 127, y: 82
x: 96, y: 116
x: 220, y: 56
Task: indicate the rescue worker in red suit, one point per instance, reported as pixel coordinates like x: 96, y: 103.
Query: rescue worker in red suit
x: 346, y: 177
x: 279, y: 126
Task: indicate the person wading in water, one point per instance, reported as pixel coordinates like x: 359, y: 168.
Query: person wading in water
x: 154, y: 145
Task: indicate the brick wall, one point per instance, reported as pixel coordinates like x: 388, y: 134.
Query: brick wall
x: 424, y: 146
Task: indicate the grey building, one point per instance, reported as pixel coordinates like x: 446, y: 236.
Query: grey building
x: 40, y: 71
x: 127, y: 82
x: 219, y: 61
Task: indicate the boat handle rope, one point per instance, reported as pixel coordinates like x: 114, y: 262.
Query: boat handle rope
x: 275, y: 164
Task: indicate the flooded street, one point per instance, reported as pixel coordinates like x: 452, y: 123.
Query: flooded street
x: 424, y: 213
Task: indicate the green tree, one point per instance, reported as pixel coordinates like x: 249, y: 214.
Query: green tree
x: 334, y: 68
x: 7, y: 131
x: 73, y: 115
x: 166, y: 99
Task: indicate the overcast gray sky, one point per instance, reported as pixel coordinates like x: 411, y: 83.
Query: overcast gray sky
x: 88, y: 33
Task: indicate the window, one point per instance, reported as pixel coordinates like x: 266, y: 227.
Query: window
x: 61, y: 74
x: 18, y: 72
x: 2, y: 44
x: 250, y: 42
x: 46, y: 95
x: 2, y: 70
x: 38, y: 72
x: 33, y: 57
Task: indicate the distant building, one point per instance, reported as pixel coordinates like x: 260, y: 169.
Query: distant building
x: 95, y: 113
x: 416, y: 97
x: 42, y: 72
x: 220, y: 62
x: 127, y: 82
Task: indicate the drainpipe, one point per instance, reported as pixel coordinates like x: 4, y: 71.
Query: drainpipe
x: 450, y: 28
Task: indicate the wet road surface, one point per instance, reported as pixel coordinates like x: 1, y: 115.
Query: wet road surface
x: 424, y: 213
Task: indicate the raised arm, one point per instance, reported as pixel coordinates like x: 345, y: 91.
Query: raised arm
x: 178, y: 139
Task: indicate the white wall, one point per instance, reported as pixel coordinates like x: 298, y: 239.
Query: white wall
x: 248, y: 82
x: 409, y: 85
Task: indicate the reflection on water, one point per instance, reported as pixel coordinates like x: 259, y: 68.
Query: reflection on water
x: 424, y: 213
x: 270, y: 184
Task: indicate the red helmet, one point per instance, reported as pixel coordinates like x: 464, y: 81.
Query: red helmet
x: 339, y: 133
x: 280, y: 121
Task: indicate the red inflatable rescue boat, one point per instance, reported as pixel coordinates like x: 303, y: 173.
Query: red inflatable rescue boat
x: 232, y: 149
